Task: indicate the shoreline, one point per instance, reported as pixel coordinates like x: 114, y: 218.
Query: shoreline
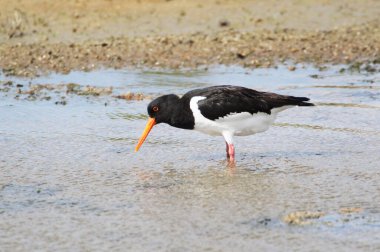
x: 265, y: 49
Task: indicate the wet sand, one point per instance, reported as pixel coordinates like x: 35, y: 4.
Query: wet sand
x: 42, y: 36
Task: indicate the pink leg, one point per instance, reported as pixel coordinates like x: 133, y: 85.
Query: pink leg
x: 231, y: 152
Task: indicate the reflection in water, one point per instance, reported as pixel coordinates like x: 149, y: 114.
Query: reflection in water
x: 71, y: 181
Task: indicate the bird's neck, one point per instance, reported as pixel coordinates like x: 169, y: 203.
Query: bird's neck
x: 182, y: 116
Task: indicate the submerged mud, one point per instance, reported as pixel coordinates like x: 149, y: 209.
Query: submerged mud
x: 45, y: 92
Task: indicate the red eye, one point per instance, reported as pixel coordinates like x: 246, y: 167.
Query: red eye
x: 155, y: 108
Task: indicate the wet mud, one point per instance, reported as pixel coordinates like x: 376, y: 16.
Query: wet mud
x: 38, y: 38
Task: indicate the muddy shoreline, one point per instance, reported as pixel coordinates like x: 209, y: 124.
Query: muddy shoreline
x: 171, y: 35
x: 252, y: 50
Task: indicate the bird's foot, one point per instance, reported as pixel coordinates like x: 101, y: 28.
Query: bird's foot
x: 231, y: 168
x: 231, y: 163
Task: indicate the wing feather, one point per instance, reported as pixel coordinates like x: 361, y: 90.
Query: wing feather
x: 223, y: 100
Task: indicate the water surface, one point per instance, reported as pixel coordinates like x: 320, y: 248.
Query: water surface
x: 71, y: 181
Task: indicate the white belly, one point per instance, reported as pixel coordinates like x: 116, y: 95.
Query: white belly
x: 238, y: 124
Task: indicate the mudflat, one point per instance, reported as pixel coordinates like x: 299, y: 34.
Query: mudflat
x: 43, y: 36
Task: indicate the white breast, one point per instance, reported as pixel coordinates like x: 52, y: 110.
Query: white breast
x: 239, y: 124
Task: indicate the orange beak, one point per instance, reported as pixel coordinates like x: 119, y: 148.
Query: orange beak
x: 148, y: 127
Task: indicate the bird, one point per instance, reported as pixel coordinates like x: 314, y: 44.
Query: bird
x: 222, y: 110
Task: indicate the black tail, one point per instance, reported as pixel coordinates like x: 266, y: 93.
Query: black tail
x: 301, y: 101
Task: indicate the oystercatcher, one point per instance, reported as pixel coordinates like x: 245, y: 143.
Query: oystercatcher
x: 220, y: 110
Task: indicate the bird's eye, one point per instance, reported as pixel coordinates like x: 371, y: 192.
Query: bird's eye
x: 155, y: 108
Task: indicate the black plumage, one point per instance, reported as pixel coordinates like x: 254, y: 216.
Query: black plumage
x: 223, y: 100
x: 220, y: 101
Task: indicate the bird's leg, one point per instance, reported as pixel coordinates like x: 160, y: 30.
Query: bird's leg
x: 231, y: 152
x: 227, y: 149
x: 230, y: 149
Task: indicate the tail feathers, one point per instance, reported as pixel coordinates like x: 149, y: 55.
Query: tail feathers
x: 301, y: 101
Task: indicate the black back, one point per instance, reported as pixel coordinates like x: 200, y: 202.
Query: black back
x: 223, y: 100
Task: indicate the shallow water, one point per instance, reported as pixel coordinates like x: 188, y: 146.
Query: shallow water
x: 71, y: 181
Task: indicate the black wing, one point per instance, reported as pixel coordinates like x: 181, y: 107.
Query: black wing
x: 223, y: 100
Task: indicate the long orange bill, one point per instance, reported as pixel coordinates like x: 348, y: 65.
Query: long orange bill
x: 148, y: 127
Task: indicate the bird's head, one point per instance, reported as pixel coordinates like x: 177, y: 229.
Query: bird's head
x: 159, y: 111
